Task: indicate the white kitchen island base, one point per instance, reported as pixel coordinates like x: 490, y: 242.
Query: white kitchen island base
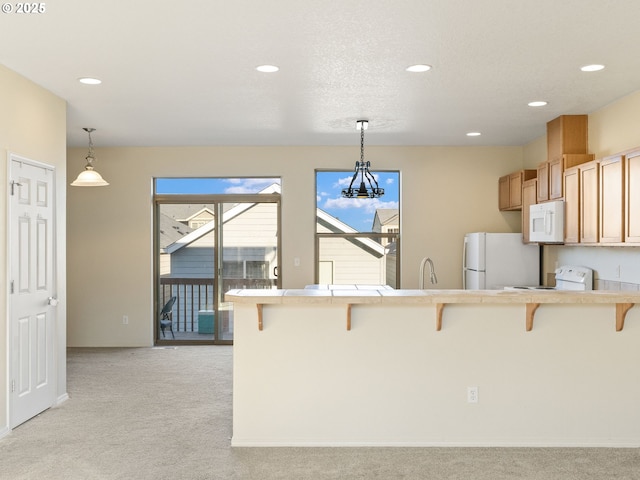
x: 394, y: 380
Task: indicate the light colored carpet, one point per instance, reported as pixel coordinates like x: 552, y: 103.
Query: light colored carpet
x: 164, y: 413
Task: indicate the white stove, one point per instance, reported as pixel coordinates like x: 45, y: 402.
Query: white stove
x: 568, y: 277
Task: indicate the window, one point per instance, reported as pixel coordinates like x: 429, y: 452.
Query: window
x: 357, y: 240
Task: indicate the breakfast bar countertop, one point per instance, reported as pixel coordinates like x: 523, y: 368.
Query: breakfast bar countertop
x: 385, y: 295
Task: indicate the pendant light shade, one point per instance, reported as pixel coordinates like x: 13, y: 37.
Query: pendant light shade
x: 89, y: 177
x: 368, y: 185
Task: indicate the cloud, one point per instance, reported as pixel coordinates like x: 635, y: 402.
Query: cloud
x: 390, y: 181
x: 249, y: 185
x: 345, y: 181
x: 368, y: 205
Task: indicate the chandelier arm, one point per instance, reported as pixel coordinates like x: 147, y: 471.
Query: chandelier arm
x: 372, y: 179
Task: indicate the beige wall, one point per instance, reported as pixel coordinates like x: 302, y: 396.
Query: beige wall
x: 32, y: 125
x: 446, y: 193
x: 616, y: 127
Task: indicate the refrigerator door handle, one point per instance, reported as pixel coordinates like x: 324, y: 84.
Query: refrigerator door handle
x: 464, y: 264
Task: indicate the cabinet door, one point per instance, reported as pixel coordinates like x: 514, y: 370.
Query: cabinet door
x: 611, y: 199
x: 529, y: 195
x: 571, y: 205
x: 503, y: 193
x: 555, y: 179
x: 589, y: 200
x: 566, y: 134
x: 543, y: 182
x: 515, y: 190
x: 632, y: 197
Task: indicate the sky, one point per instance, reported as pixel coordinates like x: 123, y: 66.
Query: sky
x: 357, y: 213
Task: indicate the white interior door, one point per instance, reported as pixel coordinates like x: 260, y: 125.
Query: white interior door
x: 31, y: 290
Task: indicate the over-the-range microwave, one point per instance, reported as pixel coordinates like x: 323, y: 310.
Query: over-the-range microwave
x: 546, y: 222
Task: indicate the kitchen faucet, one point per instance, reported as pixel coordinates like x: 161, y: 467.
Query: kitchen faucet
x: 432, y: 274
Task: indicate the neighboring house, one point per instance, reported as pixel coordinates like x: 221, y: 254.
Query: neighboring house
x: 170, y: 232
x: 194, y: 216
x: 386, y: 220
x: 348, y: 260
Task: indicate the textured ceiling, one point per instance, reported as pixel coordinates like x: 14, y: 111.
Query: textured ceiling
x: 183, y: 73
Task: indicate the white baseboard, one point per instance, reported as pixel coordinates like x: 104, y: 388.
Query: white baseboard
x: 62, y: 398
x: 4, y: 431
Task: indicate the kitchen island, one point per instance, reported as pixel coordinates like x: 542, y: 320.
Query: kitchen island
x: 381, y: 367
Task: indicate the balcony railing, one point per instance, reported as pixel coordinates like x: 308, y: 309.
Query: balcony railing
x: 196, y: 294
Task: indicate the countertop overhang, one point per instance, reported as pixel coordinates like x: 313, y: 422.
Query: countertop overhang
x: 369, y: 295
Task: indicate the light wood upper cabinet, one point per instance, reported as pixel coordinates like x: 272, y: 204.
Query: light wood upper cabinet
x: 542, y: 184
x: 571, y: 178
x: 529, y: 190
x: 504, y: 199
x: 567, y: 145
x: 612, y: 199
x: 602, y: 200
x: 556, y: 168
x: 589, y: 202
x: 510, y: 189
x: 567, y: 134
x: 550, y: 175
x: 632, y: 197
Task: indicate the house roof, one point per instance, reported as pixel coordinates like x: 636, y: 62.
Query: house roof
x: 171, y: 231
x: 388, y: 215
x: 185, y: 211
x: 339, y: 61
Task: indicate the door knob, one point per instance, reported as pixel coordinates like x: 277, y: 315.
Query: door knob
x: 53, y: 301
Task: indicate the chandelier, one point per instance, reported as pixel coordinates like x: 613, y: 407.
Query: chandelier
x: 368, y: 185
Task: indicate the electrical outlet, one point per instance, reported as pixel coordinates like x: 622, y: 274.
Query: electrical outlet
x: 125, y: 320
x: 296, y: 261
x: 472, y: 394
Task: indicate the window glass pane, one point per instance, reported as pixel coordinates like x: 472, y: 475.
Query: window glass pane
x: 344, y: 256
x: 257, y: 269
x: 215, y: 185
x: 233, y: 269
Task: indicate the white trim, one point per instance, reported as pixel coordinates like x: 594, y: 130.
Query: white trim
x: 570, y: 443
x: 62, y: 398
x: 4, y: 432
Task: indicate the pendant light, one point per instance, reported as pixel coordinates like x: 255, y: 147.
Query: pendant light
x: 89, y: 177
x: 368, y: 185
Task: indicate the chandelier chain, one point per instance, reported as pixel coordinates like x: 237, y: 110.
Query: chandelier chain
x: 362, y: 144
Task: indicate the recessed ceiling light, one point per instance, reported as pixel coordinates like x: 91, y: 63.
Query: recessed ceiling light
x: 473, y: 134
x: 90, y: 81
x: 267, y: 68
x: 419, y: 68
x: 592, y: 68
x: 537, y: 103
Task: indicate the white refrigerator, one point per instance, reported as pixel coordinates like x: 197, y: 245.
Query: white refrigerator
x: 492, y: 261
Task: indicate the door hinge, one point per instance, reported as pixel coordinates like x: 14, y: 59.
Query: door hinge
x: 13, y: 185
x: 13, y: 386
x: 12, y: 286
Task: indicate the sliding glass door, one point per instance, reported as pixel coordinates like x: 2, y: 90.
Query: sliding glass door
x: 205, y: 246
